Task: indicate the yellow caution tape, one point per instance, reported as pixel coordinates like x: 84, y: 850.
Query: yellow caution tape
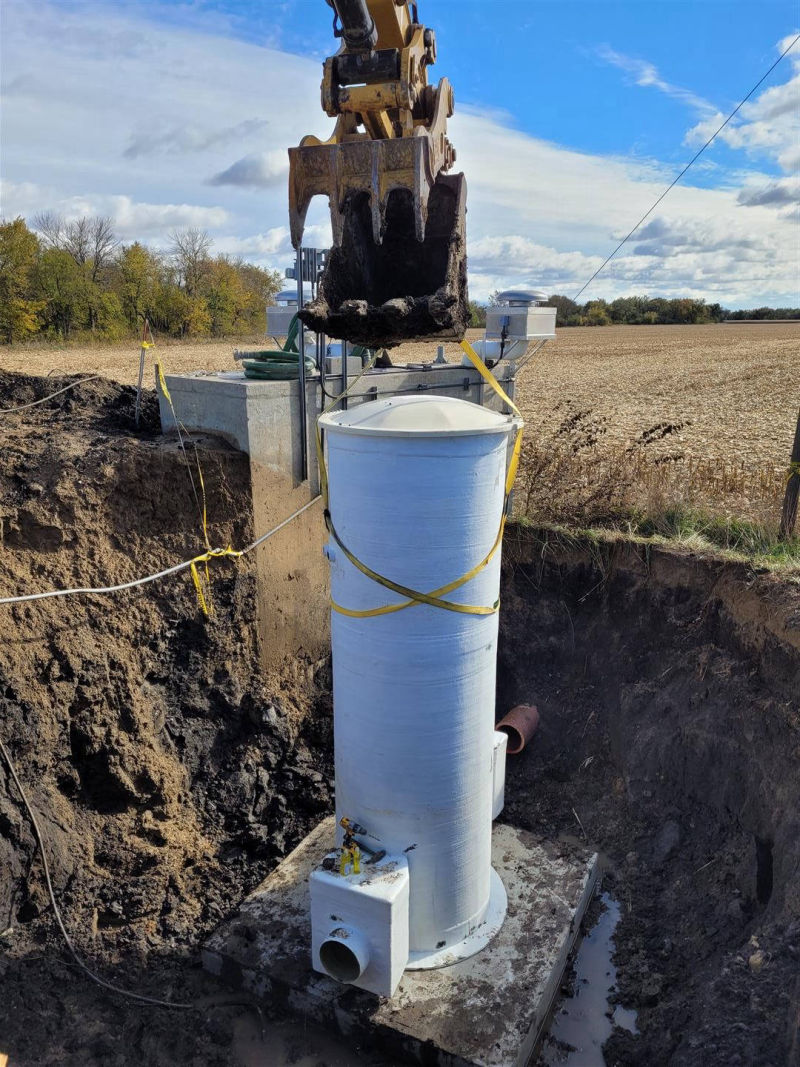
x: 204, y: 598
x: 198, y: 588
x: 435, y: 597
x: 487, y: 375
x: 205, y: 602
x: 162, y: 381
x: 148, y: 344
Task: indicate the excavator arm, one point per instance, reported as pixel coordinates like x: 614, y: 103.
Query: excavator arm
x: 397, y: 270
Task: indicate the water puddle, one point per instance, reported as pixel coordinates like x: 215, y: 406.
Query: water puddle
x: 584, y: 1021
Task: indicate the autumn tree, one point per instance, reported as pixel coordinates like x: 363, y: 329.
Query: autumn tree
x: 61, y: 286
x: 18, y: 307
x: 138, y: 280
x: 189, y: 251
x: 91, y: 242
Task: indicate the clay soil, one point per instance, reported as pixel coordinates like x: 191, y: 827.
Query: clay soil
x: 170, y: 773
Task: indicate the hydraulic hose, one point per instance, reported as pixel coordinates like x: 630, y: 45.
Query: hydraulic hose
x: 358, y: 27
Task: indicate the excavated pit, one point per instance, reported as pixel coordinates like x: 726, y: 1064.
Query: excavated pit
x: 380, y: 295
x: 170, y: 774
x: 669, y: 692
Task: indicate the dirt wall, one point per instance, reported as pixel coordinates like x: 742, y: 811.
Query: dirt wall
x: 171, y: 772
x: 168, y: 770
x: 670, y: 737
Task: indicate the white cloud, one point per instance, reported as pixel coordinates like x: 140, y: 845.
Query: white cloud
x: 106, y: 111
x: 261, y: 170
x: 132, y: 219
x: 135, y: 219
x: 647, y: 75
x: 258, y: 245
x: 768, y: 125
x: 778, y: 194
x: 178, y: 139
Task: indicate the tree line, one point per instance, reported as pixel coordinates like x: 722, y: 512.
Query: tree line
x: 639, y: 311
x: 70, y: 280
x: 654, y: 311
x: 66, y: 280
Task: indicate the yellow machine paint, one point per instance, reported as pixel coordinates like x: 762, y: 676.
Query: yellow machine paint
x: 397, y: 219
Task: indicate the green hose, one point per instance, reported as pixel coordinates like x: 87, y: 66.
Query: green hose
x: 283, y: 364
x: 278, y: 364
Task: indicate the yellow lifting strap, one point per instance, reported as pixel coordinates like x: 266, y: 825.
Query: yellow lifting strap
x: 434, y: 598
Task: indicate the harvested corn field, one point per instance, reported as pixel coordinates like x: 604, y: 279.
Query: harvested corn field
x: 648, y: 418
x: 619, y: 420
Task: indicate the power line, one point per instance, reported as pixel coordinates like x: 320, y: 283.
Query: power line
x: 696, y: 156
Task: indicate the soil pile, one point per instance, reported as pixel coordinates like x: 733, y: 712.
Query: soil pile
x: 168, y: 773
x: 381, y: 295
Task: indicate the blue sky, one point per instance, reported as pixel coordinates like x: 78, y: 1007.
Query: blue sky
x: 571, y: 116
x: 540, y: 61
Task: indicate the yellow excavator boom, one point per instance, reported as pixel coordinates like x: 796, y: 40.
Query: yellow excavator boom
x: 398, y: 267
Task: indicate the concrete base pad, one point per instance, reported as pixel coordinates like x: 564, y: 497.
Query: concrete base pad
x: 486, y: 1011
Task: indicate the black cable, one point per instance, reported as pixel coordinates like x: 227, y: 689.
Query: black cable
x: 199, y: 1005
x: 37, y: 833
x: 691, y: 161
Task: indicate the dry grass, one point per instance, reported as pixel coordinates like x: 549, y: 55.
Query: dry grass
x: 624, y: 424
x: 639, y: 422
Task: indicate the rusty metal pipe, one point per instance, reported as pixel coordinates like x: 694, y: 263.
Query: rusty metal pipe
x: 520, y: 724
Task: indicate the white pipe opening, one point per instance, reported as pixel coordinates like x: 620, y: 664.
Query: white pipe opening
x: 344, y: 954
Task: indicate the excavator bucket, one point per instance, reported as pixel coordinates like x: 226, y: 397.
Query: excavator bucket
x: 397, y: 271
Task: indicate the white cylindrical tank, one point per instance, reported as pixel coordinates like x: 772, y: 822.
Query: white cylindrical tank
x: 417, y: 493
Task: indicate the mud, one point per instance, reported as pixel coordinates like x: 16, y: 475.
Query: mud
x: 400, y: 290
x: 171, y: 774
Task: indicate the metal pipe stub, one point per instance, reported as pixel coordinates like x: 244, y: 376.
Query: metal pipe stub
x: 520, y: 724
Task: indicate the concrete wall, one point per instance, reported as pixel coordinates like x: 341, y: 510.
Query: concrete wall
x: 262, y: 419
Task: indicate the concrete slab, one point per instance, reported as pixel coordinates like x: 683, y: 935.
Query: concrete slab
x: 487, y: 1011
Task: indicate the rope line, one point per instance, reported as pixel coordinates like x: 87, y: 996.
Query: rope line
x: 695, y: 157
x: 58, y: 392
x: 214, y: 553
